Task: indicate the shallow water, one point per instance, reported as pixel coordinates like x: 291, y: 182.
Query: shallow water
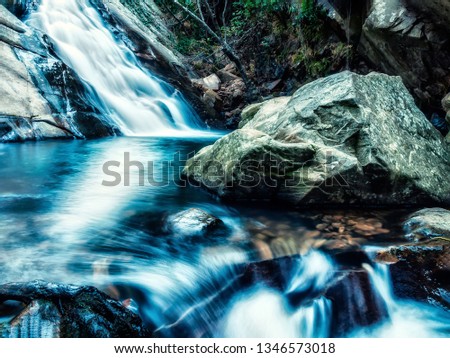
x: 59, y: 223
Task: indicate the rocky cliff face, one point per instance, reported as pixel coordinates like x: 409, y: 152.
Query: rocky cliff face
x: 408, y: 38
x: 40, y: 97
x: 344, y: 139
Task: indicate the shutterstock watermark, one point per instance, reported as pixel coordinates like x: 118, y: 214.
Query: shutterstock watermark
x: 267, y: 171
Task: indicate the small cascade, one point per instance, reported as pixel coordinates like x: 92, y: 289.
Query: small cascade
x: 406, y: 318
x: 299, y: 311
x: 138, y: 102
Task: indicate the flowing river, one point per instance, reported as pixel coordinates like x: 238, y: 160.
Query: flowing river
x: 62, y: 222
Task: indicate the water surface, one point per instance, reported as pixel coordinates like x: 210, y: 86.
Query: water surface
x: 59, y: 223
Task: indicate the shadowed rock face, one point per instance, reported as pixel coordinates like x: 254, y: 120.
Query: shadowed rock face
x: 41, y: 309
x: 404, y: 42
x: 344, y: 139
x: 407, y: 38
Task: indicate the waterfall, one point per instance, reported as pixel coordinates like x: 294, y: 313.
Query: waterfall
x: 138, y: 102
x: 407, y: 318
x: 267, y: 313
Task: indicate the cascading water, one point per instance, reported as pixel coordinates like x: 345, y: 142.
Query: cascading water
x: 406, y: 318
x: 138, y: 102
x: 59, y: 224
x: 268, y: 313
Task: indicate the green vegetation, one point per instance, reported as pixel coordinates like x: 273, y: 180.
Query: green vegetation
x: 270, y: 37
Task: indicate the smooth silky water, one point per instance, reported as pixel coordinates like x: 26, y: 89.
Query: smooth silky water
x: 59, y: 223
x: 139, y: 103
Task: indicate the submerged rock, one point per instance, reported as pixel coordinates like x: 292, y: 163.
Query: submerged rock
x: 344, y: 139
x: 193, y: 222
x: 45, y: 310
x: 356, y: 303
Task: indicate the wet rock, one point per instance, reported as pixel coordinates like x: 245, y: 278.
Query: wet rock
x: 344, y: 139
x: 355, y: 303
x: 193, y: 222
x: 20, y: 8
x: 275, y: 274
x: 420, y: 271
x: 57, y: 310
x: 427, y: 224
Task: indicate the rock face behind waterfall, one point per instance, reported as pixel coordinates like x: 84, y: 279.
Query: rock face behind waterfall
x: 407, y: 38
x: 44, y: 310
x: 344, y: 139
x: 40, y: 97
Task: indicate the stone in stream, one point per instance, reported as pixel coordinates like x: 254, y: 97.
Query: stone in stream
x: 421, y: 270
x: 346, y: 139
x: 355, y: 303
x: 427, y: 224
x: 194, y: 222
x: 41, y: 309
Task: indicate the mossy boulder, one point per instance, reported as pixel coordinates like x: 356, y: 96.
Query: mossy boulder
x: 344, y: 139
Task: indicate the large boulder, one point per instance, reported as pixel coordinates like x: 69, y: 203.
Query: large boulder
x: 40, y: 309
x: 344, y: 139
x: 40, y: 97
